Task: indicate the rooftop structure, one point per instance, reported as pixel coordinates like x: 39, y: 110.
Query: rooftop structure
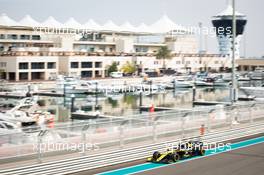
x: 223, y: 23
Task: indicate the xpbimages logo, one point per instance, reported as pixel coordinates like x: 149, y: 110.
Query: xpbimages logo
x: 189, y: 146
x: 82, y: 32
x: 74, y: 147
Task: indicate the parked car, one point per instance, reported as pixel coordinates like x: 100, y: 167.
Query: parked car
x: 116, y: 74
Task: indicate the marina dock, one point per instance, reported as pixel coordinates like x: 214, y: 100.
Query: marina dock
x: 211, y: 103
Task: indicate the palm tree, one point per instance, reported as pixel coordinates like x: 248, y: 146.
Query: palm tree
x: 164, y: 53
x: 129, y: 68
x: 112, y: 68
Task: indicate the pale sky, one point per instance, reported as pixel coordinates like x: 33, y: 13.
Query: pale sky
x: 183, y: 12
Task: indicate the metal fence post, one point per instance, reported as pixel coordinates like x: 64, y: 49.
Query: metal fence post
x: 121, y: 133
x: 40, y: 135
x: 251, y: 112
x: 140, y: 101
x: 233, y: 113
x: 182, y: 125
x: 193, y: 95
x: 154, y: 131
x: 209, y: 120
x: 174, y: 85
x: 154, y: 128
x: 150, y: 87
x: 84, y: 129
x: 72, y: 103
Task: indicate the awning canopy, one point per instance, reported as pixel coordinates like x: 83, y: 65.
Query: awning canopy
x: 6, y: 21
x: 163, y: 25
x: 51, y: 22
x: 110, y: 26
x: 72, y: 23
x: 29, y: 21
x: 92, y: 25
x: 128, y: 27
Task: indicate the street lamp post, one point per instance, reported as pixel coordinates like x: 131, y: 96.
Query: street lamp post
x: 234, y: 89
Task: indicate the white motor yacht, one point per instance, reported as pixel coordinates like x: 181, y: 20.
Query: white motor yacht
x: 9, y: 127
x: 179, y: 84
x: 203, y: 82
x: 18, y: 117
x: 257, y: 92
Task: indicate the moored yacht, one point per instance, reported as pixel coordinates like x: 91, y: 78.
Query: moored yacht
x: 253, y: 91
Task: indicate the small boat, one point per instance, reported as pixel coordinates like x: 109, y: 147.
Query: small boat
x: 243, y: 79
x: 204, y: 82
x: 257, y: 92
x: 19, y: 117
x: 83, y: 115
x: 211, y: 82
x: 257, y: 74
x: 70, y: 85
x: 221, y: 82
x: 9, y: 127
x: 179, y: 84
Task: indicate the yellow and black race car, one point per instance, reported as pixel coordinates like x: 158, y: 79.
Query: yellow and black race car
x: 182, y: 151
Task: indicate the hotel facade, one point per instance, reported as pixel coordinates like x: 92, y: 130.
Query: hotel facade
x: 30, y: 50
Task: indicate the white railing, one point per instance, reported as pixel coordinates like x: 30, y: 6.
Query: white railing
x: 74, y: 165
x: 120, y: 132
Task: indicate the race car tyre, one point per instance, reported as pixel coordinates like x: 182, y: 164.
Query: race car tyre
x: 175, y: 157
x: 156, y: 155
x: 201, y: 152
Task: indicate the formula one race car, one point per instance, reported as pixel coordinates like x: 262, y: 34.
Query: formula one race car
x: 182, y: 151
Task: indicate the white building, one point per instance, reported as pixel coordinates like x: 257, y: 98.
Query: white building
x: 31, y: 50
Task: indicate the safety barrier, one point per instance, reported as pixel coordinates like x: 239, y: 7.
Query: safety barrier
x: 137, y: 129
x: 115, y: 157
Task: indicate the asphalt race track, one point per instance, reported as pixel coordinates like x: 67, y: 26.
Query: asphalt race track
x: 244, y: 161
x: 245, y: 158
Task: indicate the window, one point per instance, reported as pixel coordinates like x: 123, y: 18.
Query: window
x: 37, y: 66
x: 23, y: 76
x: 141, y: 49
x: 25, y: 37
x: 156, y: 62
x: 98, y: 64
x: 98, y: 36
x: 86, y: 74
x: 92, y: 49
x: 11, y: 36
x: 74, y: 64
x: 87, y: 37
x: 2, y: 36
x: 102, y: 48
x: 216, y: 62
x: 178, y: 62
x: 188, y: 62
x: 2, y: 64
x: 51, y: 65
x: 23, y: 65
x: 35, y: 37
x: 87, y: 64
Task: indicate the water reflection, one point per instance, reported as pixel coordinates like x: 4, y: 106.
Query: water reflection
x: 127, y: 104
